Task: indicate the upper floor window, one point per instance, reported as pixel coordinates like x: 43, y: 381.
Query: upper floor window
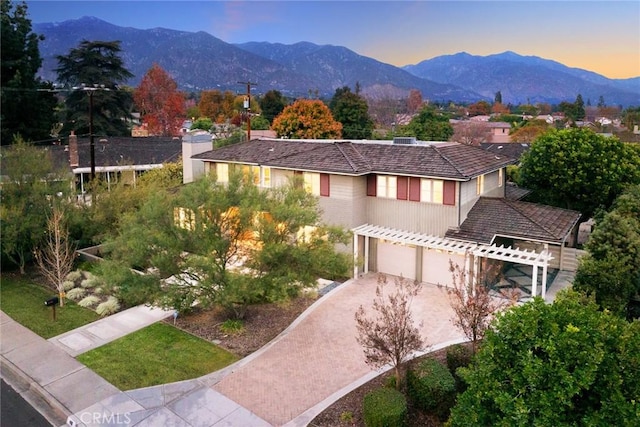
x: 222, y: 172
x: 480, y: 185
x: 316, y: 183
x: 387, y: 186
x: 431, y: 190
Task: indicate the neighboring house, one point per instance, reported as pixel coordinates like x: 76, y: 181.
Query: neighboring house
x: 116, y: 158
x: 499, y: 132
x: 411, y: 206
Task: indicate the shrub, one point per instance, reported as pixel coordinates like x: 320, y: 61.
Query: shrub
x: 232, y: 326
x: 67, y: 285
x: 384, y: 407
x: 458, y: 356
x: 76, y: 293
x: 432, y: 388
x: 88, y: 301
x: 74, y: 276
x: 110, y: 306
x: 91, y: 281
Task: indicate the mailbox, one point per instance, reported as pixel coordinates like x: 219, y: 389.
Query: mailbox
x: 52, y: 301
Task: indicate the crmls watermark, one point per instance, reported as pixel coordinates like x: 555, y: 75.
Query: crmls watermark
x: 100, y: 418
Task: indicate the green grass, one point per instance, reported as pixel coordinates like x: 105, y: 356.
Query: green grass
x: 155, y: 355
x: 23, y: 301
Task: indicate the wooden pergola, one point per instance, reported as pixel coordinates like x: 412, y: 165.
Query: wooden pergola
x: 473, y: 251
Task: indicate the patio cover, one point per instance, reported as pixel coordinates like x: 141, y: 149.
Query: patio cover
x: 474, y: 250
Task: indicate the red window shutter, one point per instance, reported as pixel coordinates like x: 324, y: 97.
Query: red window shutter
x: 449, y: 196
x: 402, y: 187
x: 371, y: 185
x: 324, y: 184
x: 414, y: 189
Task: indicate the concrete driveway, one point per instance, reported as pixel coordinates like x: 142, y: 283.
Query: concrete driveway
x: 317, y: 358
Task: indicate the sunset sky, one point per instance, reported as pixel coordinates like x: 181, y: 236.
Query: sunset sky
x: 600, y: 36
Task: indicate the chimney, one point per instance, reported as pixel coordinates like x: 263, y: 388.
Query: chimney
x: 73, y: 150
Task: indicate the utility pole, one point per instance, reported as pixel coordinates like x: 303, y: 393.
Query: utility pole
x: 92, y: 147
x: 247, y: 106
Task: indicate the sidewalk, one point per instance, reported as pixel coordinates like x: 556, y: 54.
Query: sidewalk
x: 288, y: 382
x: 107, y: 329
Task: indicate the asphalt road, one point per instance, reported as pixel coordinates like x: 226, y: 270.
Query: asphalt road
x: 17, y: 412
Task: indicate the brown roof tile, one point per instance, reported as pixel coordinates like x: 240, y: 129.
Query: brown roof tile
x: 491, y: 217
x: 445, y: 160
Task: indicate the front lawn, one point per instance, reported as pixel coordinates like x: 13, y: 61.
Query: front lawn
x: 157, y: 354
x: 23, y: 300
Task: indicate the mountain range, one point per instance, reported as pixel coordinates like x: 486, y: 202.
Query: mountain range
x: 199, y: 61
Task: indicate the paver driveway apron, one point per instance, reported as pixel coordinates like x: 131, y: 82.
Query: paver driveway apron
x: 320, y: 355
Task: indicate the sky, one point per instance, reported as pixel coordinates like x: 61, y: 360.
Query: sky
x: 600, y: 36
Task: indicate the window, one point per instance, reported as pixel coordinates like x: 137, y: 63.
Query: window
x: 266, y: 177
x: 312, y: 183
x: 222, y: 172
x: 480, y: 185
x: 252, y: 173
x: 387, y: 186
x: 184, y: 218
x: 431, y: 191
x: 500, y: 178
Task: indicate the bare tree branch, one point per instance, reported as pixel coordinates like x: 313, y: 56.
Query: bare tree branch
x: 56, y: 257
x: 390, y: 337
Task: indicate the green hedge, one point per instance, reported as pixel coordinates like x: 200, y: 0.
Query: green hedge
x: 432, y: 388
x: 384, y: 407
x: 458, y: 356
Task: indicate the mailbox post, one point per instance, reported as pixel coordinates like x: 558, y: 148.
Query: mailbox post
x: 52, y: 302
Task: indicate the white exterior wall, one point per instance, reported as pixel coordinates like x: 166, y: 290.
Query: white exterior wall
x: 426, y: 218
x: 345, y: 204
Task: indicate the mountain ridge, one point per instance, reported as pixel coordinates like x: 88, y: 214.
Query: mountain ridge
x: 199, y: 61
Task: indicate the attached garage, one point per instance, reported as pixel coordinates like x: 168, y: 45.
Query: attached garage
x: 435, y: 266
x: 396, y: 259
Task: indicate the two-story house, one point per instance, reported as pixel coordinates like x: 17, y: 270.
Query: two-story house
x: 412, y: 206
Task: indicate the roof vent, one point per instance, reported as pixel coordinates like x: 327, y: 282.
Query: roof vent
x: 405, y: 140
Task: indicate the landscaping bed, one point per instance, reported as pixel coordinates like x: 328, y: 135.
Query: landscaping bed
x: 262, y: 323
x: 347, y: 411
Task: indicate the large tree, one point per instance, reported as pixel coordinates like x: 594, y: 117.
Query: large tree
x: 307, y: 118
x: 352, y: 111
x: 31, y: 181
x: 429, y: 125
x: 578, y: 169
x: 93, y: 73
x: 203, y: 235
x: 272, y: 104
x: 560, y: 364
x: 611, y: 268
x: 161, y: 104
x: 27, y: 108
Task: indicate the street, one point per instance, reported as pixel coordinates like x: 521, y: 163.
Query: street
x: 17, y: 412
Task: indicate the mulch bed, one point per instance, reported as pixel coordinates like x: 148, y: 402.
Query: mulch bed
x: 262, y: 323
x: 347, y: 411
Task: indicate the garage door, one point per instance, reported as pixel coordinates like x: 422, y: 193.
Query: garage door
x: 397, y: 260
x: 435, y: 266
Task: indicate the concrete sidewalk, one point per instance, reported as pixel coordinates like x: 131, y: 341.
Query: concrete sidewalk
x: 107, y: 329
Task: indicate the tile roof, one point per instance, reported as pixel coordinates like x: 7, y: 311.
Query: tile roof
x: 445, y: 160
x: 121, y: 151
x: 510, y: 149
x: 491, y: 217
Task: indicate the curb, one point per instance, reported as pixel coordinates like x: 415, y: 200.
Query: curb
x: 36, y: 395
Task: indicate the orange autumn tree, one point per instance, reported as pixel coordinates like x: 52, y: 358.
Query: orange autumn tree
x: 161, y: 105
x: 307, y: 119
